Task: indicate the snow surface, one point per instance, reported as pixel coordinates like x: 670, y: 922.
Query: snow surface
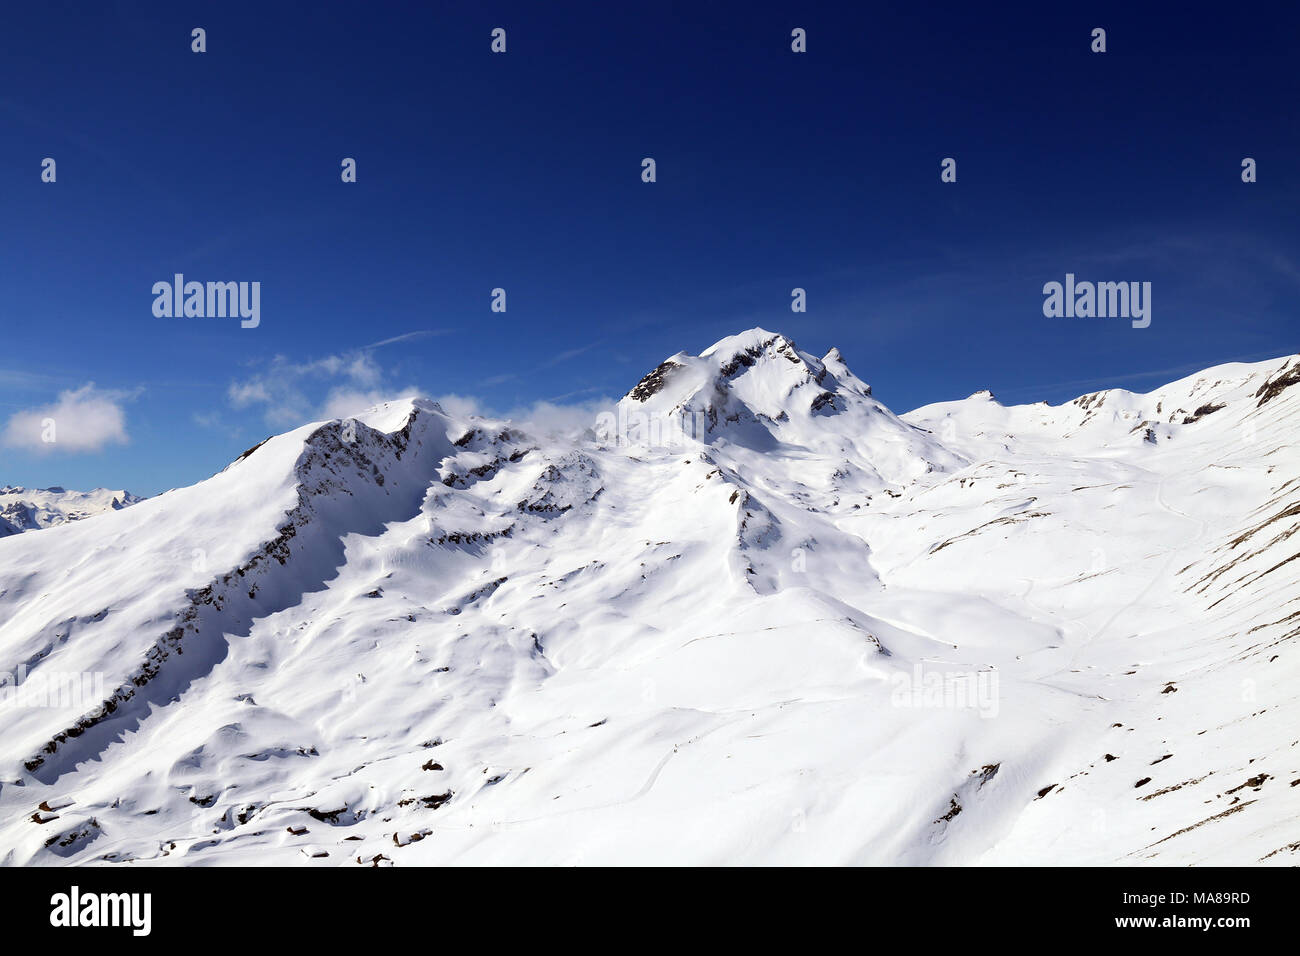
x: 419, y: 638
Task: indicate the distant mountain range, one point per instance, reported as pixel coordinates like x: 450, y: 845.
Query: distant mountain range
x: 30, y: 509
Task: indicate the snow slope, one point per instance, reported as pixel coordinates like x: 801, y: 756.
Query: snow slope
x: 751, y: 616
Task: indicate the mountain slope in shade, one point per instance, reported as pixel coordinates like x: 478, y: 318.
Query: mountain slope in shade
x: 751, y: 616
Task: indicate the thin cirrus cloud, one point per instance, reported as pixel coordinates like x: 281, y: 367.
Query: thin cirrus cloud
x: 410, y: 337
x: 85, y: 419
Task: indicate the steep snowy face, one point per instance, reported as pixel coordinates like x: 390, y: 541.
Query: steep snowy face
x: 125, y: 597
x: 806, y: 631
x: 30, y: 509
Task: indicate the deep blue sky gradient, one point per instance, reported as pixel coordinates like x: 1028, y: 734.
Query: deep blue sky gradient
x: 522, y: 170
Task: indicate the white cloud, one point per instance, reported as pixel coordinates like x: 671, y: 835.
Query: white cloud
x: 285, y: 388
x: 461, y: 405
x: 550, y: 418
x: 541, y: 417
x: 364, y: 370
x: 243, y: 394
x: 82, y: 420
x: 346, y: 384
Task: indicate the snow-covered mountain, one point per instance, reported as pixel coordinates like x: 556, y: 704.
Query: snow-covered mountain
x: 750, y: 616
x: 30, y: 509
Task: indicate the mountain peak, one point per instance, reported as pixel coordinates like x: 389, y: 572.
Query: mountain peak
x: 762, y: 365
x: 754, y: 340
x: 759, y: 391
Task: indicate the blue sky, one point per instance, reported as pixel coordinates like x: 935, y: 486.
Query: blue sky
x: 522, y: 171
